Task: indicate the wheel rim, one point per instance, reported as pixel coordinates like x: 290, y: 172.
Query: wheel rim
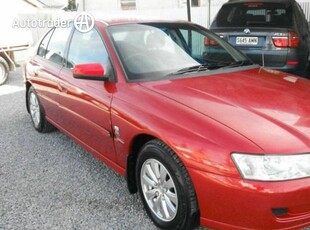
x: 159, y: 190
x: 2, y: 73
x: 34, y: 109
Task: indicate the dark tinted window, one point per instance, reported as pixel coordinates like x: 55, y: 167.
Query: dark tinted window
x: 255, y: 14
x: 43, y: 46
x: 57, y: 45
x: 195, y: 3
x: 87, y: 48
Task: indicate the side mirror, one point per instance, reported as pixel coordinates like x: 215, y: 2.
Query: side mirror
x: 93, y: 71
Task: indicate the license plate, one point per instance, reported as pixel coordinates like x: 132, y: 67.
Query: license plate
x: 247, y: 40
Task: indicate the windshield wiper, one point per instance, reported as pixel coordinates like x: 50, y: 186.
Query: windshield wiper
x: 211, y: 66
x: 199, y: 68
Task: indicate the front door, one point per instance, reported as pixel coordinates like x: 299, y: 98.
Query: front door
x: 85, y: 104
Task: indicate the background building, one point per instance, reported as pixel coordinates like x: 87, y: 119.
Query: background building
x: 202, y: 11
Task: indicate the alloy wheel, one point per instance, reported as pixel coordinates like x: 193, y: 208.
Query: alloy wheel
x: 34, y: 109
x: 159, y: 190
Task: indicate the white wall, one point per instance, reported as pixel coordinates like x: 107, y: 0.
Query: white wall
x: 9, y: 13
x: 305, y: 5
x: 158, y: 4
x: 155, y: 9
x: 159, y: 9
x: 104, y: 5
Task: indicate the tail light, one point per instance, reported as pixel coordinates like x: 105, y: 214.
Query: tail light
x: 280, y: 41
x: 210, y: 42
x: 291, y: 41
x: 292, y: 62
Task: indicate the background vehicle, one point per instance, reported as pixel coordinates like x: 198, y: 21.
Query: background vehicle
x: 14, y: 37
x: 161, y: 103
x: 272, y: 33
x: 7, y: 59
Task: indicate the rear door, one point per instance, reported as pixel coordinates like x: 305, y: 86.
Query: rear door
x: 252, y: 26
x: 46, y: 66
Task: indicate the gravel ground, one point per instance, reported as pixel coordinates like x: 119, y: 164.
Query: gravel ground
x: 49, y: 182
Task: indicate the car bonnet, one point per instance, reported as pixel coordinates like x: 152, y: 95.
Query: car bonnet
x: 269, y: 107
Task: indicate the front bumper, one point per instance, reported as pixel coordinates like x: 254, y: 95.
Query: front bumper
x: 230, y: 203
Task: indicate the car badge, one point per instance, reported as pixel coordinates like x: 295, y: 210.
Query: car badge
x: 247, y: 31
x: 116, y: 131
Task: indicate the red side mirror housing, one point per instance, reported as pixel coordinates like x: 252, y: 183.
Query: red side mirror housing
x: 92, y: 71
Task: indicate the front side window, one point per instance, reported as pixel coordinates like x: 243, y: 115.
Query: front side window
x: 57, y: 45
x: 255, y: 14
x: 156, y: 50
x: 86, y: 48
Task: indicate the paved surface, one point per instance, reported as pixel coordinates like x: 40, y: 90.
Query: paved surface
x: 49, y: 182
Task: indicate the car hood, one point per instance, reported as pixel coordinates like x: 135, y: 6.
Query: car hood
x: 268, y: 107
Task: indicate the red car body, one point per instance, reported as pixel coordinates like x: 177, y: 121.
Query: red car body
x: 203, y: 119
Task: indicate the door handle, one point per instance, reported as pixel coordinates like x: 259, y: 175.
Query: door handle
x: 35, y: 72
x: 62, y: 88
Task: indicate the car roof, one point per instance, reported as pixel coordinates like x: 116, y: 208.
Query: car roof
x: 117, y: 21
x: 121, y: 19
x: 269, y: 1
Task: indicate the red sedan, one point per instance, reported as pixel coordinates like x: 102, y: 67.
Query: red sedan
x: 204, y: 135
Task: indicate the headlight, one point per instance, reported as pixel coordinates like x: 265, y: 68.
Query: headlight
x: 272, y: 167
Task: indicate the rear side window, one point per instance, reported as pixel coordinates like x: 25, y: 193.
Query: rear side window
x: 57, y: 45
x: 44, y: 43
x: 255, y: 14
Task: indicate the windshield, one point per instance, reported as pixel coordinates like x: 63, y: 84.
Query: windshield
x: 255, y: 14
x: 158, y: 50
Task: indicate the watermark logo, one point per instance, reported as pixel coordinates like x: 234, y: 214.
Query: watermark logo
x: 40, y: 23
x: 84, y: 22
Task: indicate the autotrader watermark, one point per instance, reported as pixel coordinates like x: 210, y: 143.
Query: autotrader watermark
x: 83, y: 22
x: 40, y: 23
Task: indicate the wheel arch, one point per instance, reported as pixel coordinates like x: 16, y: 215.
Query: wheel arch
x: 194, y: 211
x: 27, y: 86
x: 135, y: 147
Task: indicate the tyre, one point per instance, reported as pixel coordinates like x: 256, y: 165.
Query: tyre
x: 4, y: 71
x: 37, y: 113
x: 166, y: 188
x: 307, y: 71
